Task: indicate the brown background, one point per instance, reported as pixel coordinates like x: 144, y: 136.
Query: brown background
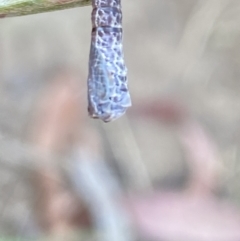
x: 184, y: 50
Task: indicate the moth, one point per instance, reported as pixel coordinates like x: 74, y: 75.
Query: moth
x: 108, y: 94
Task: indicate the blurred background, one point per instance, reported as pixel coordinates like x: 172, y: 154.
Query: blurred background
x: 167, y: 171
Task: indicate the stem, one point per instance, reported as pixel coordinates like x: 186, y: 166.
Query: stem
x: 11, y: 8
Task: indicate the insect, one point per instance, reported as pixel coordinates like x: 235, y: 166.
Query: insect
x: 108, y: 95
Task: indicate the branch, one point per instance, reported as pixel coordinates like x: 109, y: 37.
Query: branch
x: 11, y: 8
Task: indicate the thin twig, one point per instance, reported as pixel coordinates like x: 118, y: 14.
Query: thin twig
x: 11, y: 8
x: 126, y: 150
x: 196, y: 34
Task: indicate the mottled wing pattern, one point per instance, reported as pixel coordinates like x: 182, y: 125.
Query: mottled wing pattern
x: 99, y: 77
x: 108, y: 95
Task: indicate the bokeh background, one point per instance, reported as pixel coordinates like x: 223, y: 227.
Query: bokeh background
x: 167, y: 170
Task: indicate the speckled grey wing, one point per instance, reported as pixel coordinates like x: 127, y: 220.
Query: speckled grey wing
x: 108, y: 95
